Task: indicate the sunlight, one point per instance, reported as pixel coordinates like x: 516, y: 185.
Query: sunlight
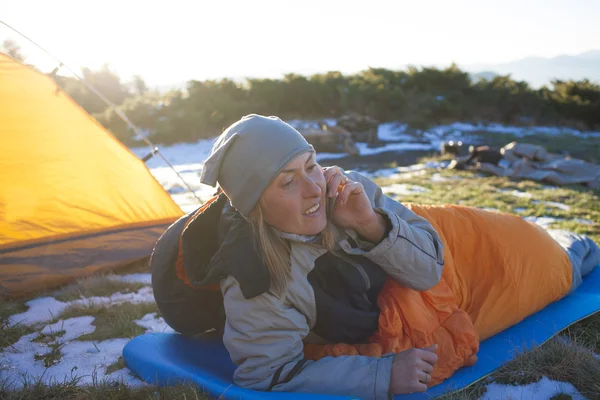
x: 206, y: 40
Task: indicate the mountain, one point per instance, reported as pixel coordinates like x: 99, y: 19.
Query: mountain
x: 539, y: 71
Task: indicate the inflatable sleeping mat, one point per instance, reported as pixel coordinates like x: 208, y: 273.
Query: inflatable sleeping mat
x: 167, y: 359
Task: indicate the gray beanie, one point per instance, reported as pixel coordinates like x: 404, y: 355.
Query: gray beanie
x: 248, y: 155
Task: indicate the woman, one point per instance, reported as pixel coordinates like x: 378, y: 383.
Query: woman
x: 399, y: 295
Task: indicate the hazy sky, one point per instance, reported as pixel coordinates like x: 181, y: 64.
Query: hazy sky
x: 171, y: 41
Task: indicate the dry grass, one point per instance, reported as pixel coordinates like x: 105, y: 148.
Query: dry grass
x: 117, y: 365
x: 141, y: 266
x: 559, y: 360
x: 9, y: 335
x: 96, y: 286
x: 53, y: 356
x: 116, y: 321
x: 70, y: 389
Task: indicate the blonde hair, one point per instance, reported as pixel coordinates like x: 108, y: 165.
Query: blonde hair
x: 276, y: 250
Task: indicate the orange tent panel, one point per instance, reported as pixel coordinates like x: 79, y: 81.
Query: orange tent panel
x: 66, y: 181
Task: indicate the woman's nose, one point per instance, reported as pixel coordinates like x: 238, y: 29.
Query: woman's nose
x: 311, y: 188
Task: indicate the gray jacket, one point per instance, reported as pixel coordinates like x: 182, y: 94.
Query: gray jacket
x: 265, y: 334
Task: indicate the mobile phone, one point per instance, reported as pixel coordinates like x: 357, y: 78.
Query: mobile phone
x: 330, y: 206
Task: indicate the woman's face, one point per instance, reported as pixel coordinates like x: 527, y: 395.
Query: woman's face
x: 295, y: 201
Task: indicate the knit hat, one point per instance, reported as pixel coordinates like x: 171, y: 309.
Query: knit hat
x: 248, y: 155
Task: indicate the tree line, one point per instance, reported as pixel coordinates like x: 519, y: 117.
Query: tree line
x: 421, y: 97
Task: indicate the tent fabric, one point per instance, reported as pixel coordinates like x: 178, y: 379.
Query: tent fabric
x: 64, y: 177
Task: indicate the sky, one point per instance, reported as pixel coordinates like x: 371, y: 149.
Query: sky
x: 169, y: 42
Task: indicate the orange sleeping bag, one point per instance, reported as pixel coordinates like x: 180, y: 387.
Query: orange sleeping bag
x: 498, y: 270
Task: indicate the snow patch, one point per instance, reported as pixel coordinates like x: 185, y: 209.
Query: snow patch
x: 153, y: 324
x: 40, y: 310
x: 73, y: 327
x: 439, y: 178
x: 553, y: 204
x: 46, y: 308
x: 517, y: 193
x: 392, y: 131
x: 584, y: 221
x: 401, y: 188
x: 365, y: 150
x: 544, y: 222
x: 83, y: 359
x: 543, y: 389
x: 134, y: 278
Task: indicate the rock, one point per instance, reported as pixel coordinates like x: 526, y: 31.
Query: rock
x: 329, y: 139
x: 362, y: 127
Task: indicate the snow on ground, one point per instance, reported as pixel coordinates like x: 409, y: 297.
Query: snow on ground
x: 562, y: 206
x: 406, y: 172
x: 543, y: 389
x: 133, y: 278
x: 393, y: 131
x: 544, y: 222
x: 83, y: 359
x: 514, y: 130
x: 439, y: 178
x: 73, y: 328
x: 46, y: 308
x: 516, y: 193
x: 40, y: 310
x: 364, y: 150
x: 583, y: 221
x: 397, y: 189
x: 153, y: 324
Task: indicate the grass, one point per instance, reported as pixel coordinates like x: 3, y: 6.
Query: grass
x: 96, y: 286
x: 116, y: 321
x: 141, y: 266
x: 558, y: 360
x: 564, y: 359
x: 52, y: 357
x: 117, y: 365
x: 71, y: 389
x: 9, y: 335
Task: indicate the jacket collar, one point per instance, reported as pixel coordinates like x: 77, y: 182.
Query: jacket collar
x: 217, y: 242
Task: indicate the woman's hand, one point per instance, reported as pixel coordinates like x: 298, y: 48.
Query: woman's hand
x: 353, y: 209
x: 411, y: 370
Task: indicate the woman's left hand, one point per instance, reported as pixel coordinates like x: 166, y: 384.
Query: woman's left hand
x: 353, y: 209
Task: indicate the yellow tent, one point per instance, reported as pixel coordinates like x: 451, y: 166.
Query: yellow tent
x: 73, y: 199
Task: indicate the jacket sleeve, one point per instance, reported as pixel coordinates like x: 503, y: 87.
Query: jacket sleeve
x: 411, y: 252
x: 264, y: 339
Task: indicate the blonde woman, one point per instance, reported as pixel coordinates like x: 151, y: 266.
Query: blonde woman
x: 318, y: 282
